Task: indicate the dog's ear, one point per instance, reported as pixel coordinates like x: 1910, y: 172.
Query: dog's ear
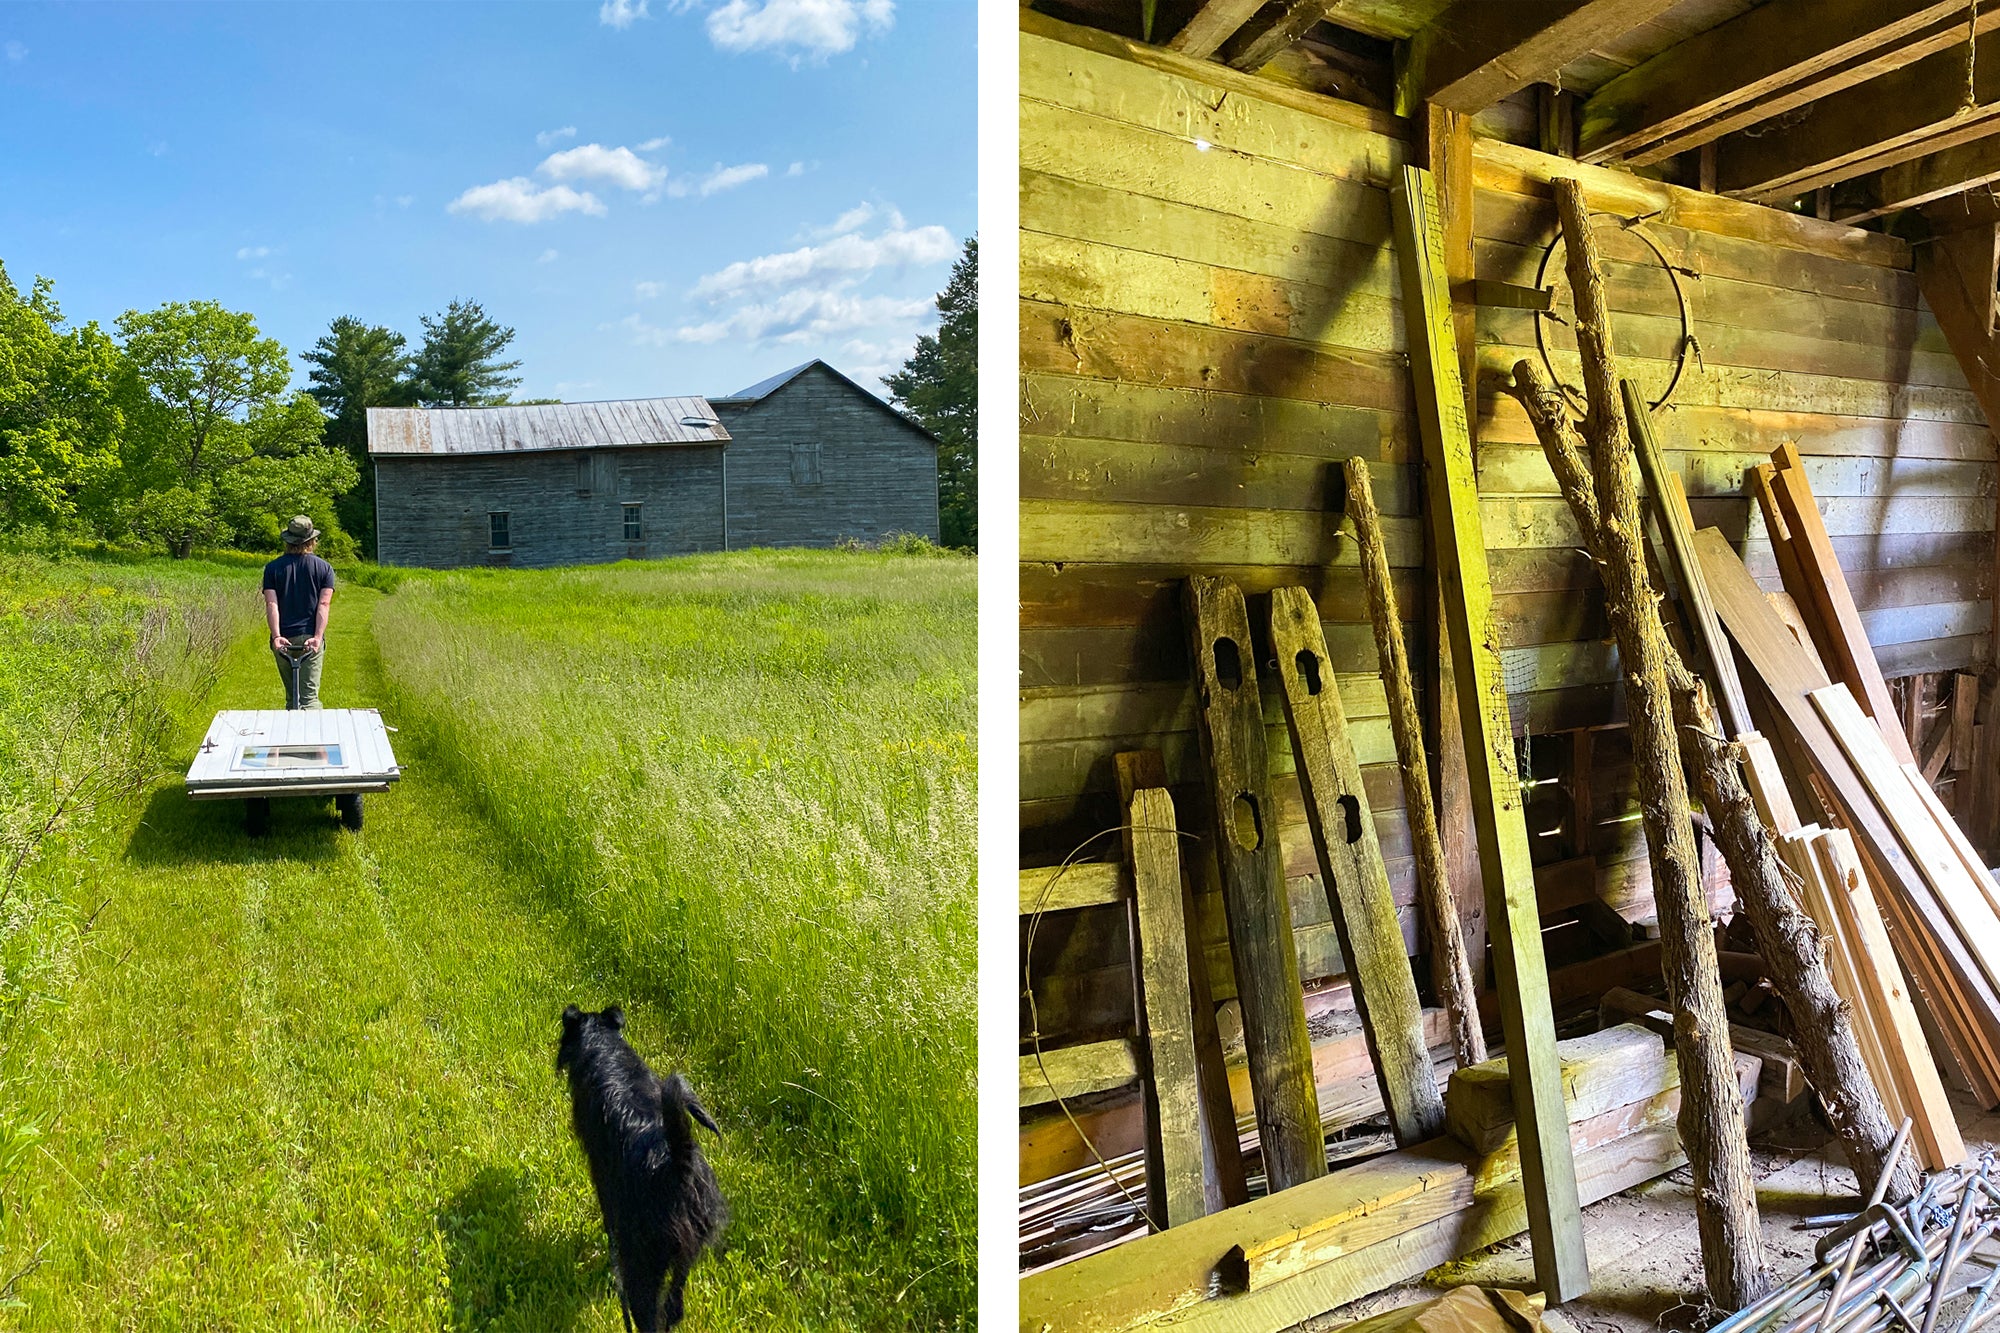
x: 571, y: 1017
x: 614, y: 1018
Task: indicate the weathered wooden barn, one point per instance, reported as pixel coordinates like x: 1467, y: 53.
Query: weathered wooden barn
x: 804, y: 458
x: 1231, y: 284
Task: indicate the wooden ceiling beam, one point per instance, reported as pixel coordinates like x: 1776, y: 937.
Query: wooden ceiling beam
x: 1887, y: 120
x: 1755, y: 66
x: 1254, y: 48
x: 1936, y: 175
x: 1212, y: 25
x: 1477, y: 52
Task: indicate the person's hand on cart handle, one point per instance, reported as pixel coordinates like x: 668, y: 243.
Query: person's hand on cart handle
x: 281, y: 643
x: 313, y: 644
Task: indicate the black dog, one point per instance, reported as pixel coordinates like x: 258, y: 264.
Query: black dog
x: 660, y: 1203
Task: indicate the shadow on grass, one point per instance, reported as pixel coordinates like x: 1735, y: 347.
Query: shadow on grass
x: 506, y: 1273
x: 178, y: 832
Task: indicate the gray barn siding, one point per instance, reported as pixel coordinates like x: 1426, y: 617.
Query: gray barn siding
x: 431, y: 511
x: 878, y: 473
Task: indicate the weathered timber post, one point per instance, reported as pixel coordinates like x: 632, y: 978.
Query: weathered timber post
x: 1711, y: 1120
x: 1231, y: 714
x: 1350, y: 863
x: 1451, y: 969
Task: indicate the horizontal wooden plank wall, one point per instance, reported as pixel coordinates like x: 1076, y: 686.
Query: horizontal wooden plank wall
x: 1210, y: 323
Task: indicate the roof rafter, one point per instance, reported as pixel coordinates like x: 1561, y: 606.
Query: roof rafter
x: 1212, y: 25
x: 1757, y: 65
x: 1892, y: 119
x: 1939, y: 175
x: 1477, y: 52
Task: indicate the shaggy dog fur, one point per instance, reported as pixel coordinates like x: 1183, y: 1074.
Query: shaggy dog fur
x: 660, y: 1203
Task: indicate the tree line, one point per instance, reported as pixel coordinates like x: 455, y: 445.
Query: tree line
x: 179, y: 428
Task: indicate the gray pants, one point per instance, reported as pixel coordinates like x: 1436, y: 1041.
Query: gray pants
x: 307, y: 695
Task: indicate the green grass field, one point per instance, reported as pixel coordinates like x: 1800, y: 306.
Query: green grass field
x: 307, y: 1082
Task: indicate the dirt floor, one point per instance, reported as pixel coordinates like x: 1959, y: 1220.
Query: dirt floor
x: 1645, y: 1258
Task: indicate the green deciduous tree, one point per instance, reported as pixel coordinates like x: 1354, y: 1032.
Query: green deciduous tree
x: 59, y: 427
x: 939, y: 387
x: 216, y: 447
x: 356, y: 366
x: 459, y: 364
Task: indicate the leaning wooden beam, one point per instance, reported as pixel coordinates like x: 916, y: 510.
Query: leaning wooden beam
x: 1789, y: 672
x: 1514, y: 922
x: 1757, y: 65
x: 1825, y: 586
x: 1913, y: 1065
x: 1866, y: 128
x: 1173, y: 1090
x: 1451, y: 969
x: 1231, y: 717
x: 1956, y: 273
x: 1606, y: 508
x: 1713, y: 661
x: 1350, y: 863
x: 1477, y: 52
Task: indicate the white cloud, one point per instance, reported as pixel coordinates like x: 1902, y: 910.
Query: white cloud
x: 803, y: 313
x: 405, y: 200
x: 850, y: 254
x: 647, y: 291
x: 852, y: 220
x: 252, y: 251
x: 796, y: 169
x: 815, y: 28
x: 621, y: 13
x: 517, y: 199
x: 547, y: 137
x: 655, y: 145
x: 547, y: 257
x: 16, y: 52
x: 718, y: 179
x: 614, y: 166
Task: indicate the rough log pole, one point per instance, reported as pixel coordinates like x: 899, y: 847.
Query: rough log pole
x: 1451, y: 969
x: 1786, y: 936
x: 1711, y: 1119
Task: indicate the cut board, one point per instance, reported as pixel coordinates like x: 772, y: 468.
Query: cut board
x: 302, y: 752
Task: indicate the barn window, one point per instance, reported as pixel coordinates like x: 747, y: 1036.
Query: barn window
x: 634, y: 530
x: 497, y: 535
x: 583, y: 468
x: 805, y: 464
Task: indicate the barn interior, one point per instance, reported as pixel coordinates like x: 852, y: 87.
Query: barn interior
x: 1507, y: 683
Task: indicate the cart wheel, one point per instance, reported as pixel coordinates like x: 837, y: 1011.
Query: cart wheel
x: 349, y: 805
x: 257, y: 816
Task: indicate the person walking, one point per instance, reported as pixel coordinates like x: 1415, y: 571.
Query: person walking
x: 298, y: 596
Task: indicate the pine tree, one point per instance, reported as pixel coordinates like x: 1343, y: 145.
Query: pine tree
x: 939, y: 388
x: 459, y: 365
x: 356, y: 366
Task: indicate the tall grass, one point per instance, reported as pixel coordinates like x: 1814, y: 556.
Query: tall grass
x: 750, y: 779
x: 101, y: 668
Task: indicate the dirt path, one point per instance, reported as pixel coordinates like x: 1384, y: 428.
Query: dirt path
x: 306, y: 1082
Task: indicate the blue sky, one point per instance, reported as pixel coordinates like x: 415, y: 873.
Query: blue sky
x: 660, y: 196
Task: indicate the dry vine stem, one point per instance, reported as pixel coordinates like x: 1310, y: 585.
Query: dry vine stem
x: 1606, y: 506
x: 1451, y: 970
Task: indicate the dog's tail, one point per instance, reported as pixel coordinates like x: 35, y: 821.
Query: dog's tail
x: 679, y: 1105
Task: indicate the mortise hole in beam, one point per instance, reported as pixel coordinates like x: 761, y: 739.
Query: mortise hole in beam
x: 1308, y: 661
x: 1228, y: 664
x: 1350, y: 818
x: 1245, y: 824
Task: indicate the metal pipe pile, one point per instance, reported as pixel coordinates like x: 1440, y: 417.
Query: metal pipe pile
x: 1894, y: 1266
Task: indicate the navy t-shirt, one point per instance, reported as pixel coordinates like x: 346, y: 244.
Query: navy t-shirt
x: 298, y: 580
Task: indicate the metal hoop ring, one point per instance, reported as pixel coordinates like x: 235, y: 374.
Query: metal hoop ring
x: 1637, y: 227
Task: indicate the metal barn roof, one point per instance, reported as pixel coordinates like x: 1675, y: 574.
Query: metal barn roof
x: 541, y: 427
x: 763, y: 388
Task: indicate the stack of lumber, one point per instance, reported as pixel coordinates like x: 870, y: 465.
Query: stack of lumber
x: 1898, y: 861
x: 1296, y: 1254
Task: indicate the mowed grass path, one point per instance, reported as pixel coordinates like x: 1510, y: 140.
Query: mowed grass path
x: 307, y: 1082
